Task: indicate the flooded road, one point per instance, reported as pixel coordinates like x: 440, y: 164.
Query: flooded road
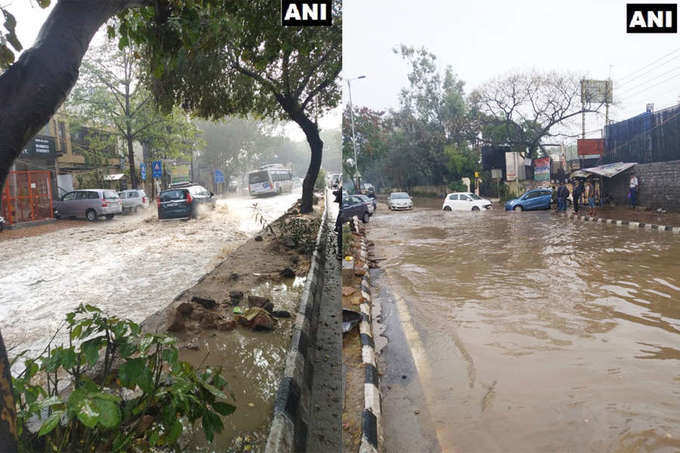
x: 131, y: 266
x: 527, y: 332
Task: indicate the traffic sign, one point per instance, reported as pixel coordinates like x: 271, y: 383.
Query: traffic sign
x: 142, y: 171
x: 219, y: 176
x: 156, y: 169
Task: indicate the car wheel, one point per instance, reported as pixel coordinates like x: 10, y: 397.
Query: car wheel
x: 91, y: 215
x: 475, y: 208
x: 109, y: 216
x: 518, y: 208
x: 447, y: 208
x: 365, y: 217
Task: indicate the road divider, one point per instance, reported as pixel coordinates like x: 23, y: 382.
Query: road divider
x: 292, y: 411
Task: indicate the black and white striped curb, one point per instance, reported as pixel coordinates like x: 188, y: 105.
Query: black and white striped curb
x: 292, y: 411
x: 629, y: 223
x: 371, y: 427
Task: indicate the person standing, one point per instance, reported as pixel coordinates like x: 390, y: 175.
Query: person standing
x: 562, y: 195
x: 633, y: 193
x: 576, y: 194
x: 590, y: 198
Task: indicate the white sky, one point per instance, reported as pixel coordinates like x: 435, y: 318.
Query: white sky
x: 485, y: 39
x: 30, y: 18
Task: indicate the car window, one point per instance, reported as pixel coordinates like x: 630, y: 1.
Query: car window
x: 474, y: 196
x: 82, y: 195
x: 121, y: 194
x: 110, y: 195
x: 133, y: 194
x: 70, y: 196
x: 198, y: 190
x: 464, y: 197
x: 172, y: 195
x: 453, y: 197
x: 531, y: 195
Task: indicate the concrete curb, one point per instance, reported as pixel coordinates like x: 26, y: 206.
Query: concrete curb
x: 292, y: 411
x: 629, y: 224
x: 371, y: 427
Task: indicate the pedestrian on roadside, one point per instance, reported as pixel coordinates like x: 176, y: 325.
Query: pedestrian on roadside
x: 633, y: 192
x: 576, y: 194
x: 590, y: 197
x: 338, y: 220
x: 562, y: 195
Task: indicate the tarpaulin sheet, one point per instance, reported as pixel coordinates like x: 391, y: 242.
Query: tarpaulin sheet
x: 610, y: 170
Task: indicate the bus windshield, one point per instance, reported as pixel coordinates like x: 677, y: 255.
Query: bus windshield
x: 258, y: 177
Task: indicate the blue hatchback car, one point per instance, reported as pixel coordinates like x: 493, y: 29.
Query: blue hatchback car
x: 533, y: 199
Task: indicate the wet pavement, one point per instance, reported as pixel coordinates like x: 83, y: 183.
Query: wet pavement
x: 527, y: 332
x: 131, y: 266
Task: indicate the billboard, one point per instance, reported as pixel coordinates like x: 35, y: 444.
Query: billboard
x: 542, y: 169
x: 590, y: 147
x: 596, y: 91
x: 512, y: 163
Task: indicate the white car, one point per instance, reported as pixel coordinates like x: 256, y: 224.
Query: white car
x: 465, y: 201
x: 399, y: 200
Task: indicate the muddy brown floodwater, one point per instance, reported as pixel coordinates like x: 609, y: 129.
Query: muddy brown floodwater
x: 527, y: 332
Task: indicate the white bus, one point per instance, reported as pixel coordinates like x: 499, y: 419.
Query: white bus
x: 270, y: 180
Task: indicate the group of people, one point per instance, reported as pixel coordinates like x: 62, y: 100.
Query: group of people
x: 590, y: 193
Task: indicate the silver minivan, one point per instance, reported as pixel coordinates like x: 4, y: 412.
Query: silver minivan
x: 88, y: 203
x: 133, y: 200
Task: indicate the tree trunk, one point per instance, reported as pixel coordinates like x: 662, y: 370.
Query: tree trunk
x: 311, y: 131
x: 32, y: 90
x: 8, y: 416
x: 131, y: 159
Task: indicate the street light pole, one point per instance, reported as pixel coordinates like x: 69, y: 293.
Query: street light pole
x: 357, y: 186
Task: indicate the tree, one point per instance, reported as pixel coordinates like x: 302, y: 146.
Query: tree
x: 109, y: 96
x: 524, y: 109
x: 243, y: 62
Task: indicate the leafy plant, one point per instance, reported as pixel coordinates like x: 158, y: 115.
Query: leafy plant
x: 262, y: 219
x: 114, y: 389
x: 301, y: 231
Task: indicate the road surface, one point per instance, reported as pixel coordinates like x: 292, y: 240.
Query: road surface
x: 131, y: 266
x: 527, y: 332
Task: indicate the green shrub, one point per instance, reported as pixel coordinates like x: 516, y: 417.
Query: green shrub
x: 137, y: 406
x: 457, y: 186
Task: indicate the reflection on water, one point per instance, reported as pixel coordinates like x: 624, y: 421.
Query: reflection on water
x: 252, y: 364
x: 544, y: 334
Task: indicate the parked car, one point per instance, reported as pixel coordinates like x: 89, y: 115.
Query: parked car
x: 133, y: 200
x: 354, y: 206
x: 533, y: 199
x: 399, y: 200
x: 370, y: 202
x: 465, y: 201
x: 89, y: 203
x: 183, y: 202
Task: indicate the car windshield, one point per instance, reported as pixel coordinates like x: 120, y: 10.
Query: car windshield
x: 258, y: 177
x: 172, y: 195
x: 399, y: 196
x: 473, y: 196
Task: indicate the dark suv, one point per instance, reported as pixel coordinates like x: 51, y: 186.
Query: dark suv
x: 354, y: 206
x: 183, y: 202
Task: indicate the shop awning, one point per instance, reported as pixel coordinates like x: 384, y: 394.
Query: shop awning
x: 114, y: 177
x: 610, y: 170
x: 579, y: 174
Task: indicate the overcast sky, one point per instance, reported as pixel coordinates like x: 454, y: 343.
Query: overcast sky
x: 485, y: 39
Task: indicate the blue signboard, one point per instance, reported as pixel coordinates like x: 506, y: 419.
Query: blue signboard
x: 156, y: 169
x: 219, y: 176
x: 142, y: 171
